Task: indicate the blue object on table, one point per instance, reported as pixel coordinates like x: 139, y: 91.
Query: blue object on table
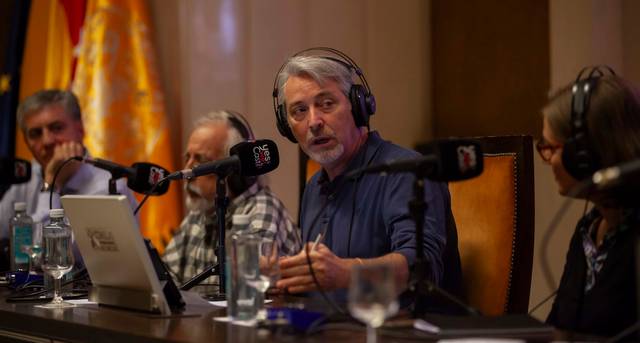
x: 299, y: 319
x: 19, y: 278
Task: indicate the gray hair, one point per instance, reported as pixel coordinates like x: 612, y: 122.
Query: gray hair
x: 49, y: 97
x: 613, y: 119
x: 319, y: 68
x: 234, y: 136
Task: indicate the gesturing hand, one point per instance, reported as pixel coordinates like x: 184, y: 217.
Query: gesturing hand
x: 331, y: 271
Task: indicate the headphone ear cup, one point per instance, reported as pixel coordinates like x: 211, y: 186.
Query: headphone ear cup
x: 370, y: 102
x: 357, y: 96
x: 568, y: 158
x: 283, y: 125
x: 576, y: 160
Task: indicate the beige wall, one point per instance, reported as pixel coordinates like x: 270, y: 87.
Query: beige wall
x: 224, y: 54
x: 583, y: 32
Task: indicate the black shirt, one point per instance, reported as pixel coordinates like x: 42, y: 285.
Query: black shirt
x: 610, y: 305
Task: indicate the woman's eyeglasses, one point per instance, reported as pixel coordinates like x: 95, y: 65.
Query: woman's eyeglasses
x: 546, y: 150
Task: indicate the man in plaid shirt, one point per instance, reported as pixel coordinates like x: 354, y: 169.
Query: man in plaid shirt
x: 192, y: 249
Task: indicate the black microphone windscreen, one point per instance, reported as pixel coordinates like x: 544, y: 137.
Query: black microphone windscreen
x: 146, y: 175
x: 256, y: 157
x: 458, y: 158
x: 14, y: 170
x: 617, y: 185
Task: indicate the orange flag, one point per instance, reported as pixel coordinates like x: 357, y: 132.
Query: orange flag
x: 122, y: 102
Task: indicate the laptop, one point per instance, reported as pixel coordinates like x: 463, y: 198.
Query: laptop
x: 115, y: 254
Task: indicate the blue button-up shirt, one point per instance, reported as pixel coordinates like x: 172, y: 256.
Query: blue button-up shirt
x: 369, y: 217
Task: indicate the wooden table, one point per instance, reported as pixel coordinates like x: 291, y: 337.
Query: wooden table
x: 92, y: 323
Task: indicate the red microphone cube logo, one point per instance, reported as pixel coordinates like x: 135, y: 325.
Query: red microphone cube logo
x: 155, y: 175
x: 467, y: 159
x: 20, y: 169
x: 261, y: 155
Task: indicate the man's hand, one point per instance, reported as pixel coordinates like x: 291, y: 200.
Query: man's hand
x: 61, y: 153
x: 331, y: 271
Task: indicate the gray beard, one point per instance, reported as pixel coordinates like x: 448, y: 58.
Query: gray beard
x: 326, y: 156
x: 198, y: 204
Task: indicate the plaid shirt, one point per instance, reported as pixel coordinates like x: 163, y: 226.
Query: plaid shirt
x: 192, y: 248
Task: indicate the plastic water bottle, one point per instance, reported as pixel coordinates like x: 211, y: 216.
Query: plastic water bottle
x: 57, y: 239
x: 242, y: 258
x: 21, y: 233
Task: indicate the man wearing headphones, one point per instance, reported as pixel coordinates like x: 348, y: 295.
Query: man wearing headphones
x: 353, y: 221
x: 591, y: 124
x: 192, y: 249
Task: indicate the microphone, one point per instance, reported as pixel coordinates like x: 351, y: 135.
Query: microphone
x: 451, y: 159
x: 141, y: 176
x: 14, y: 170
x: 620, y: 174
x: 251, y: 158
x: 617, y: 185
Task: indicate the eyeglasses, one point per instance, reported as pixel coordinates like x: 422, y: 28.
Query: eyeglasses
x: 546, y: 150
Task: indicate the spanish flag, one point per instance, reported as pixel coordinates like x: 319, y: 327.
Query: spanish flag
x: 122, y: 101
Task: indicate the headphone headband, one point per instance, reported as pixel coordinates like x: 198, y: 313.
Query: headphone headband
x: 577, y: 156
x: 240, y: 123
x: 362, y: 100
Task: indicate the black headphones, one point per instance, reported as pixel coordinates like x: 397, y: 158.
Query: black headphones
x: 238, y: 183
x: 363, y: 103
x: 577, y: 156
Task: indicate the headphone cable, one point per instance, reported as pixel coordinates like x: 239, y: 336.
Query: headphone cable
x: 551, y: 229
x: 323, y: 232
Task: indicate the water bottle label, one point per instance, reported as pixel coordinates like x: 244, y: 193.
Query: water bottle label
x: 22, y: 237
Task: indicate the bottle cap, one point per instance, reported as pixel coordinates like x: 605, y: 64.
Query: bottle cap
x: 20, y: 206
x: 240, y: 219
x: 56, y: 213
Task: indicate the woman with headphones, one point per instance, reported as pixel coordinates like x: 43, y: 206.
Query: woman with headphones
x: 592, y: 124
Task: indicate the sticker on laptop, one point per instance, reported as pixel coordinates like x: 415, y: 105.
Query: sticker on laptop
x: 102, y: 239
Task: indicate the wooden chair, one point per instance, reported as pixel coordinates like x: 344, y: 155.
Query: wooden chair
x: 494, y: 215
x: 306, y: 168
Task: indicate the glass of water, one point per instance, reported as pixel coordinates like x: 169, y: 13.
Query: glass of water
x: 57, y: 258
x: 372, y: 295
x: 268, y: 272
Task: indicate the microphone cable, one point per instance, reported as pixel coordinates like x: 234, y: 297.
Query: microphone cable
x: 146, y: 196
x: 22, y: 293
x: 542, y: 302
x: 55, y: 177
x: 322, y: 233
x: 624, y: 333
x: 552, y: 227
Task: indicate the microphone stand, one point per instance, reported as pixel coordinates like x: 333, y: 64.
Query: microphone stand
x: 222, y: 201
x: 113, y: 190
x: 420, y: 285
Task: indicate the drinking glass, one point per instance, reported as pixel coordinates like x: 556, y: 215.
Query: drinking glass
x: 34, y: 250
x: 57, y: 260
x: 372, y: 295
x: 268, y: 272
